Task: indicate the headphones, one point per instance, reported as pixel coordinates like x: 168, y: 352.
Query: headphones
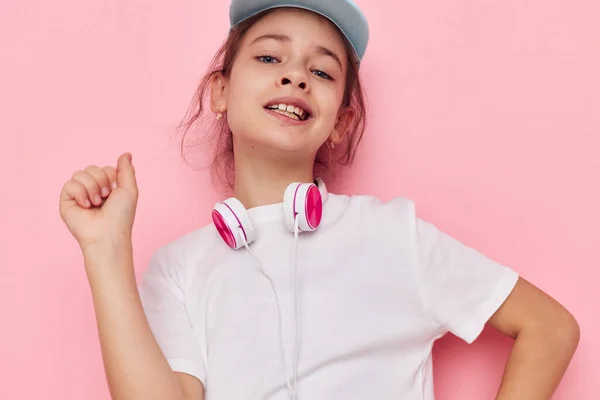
x: 302, y: 212
x: 303, y: 201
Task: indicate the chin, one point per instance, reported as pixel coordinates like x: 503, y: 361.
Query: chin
x: 280, y: 141
x: 294, y: 139
x: 286, y: 141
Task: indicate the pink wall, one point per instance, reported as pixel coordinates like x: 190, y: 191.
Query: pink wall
x: 486, y: 113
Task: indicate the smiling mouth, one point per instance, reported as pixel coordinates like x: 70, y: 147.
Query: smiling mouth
x: 290, y: 111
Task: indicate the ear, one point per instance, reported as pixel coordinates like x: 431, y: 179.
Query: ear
x: 218, y: 93
x: 342, y: 125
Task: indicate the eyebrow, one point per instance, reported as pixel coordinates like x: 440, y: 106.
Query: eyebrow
x: 284, y: 39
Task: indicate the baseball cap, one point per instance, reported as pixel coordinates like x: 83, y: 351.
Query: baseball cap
x: 343, y: 13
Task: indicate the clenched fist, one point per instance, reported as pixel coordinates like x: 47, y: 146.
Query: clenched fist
x: 98, y: 204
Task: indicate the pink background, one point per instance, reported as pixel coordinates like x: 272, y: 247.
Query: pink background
x: 486, y: 113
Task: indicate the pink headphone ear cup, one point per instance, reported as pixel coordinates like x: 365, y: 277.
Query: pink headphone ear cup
x: 305, y: 201
x: 313, y: 206
x: 227, y: 216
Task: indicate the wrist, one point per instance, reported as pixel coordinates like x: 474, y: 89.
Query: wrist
x: 107, y: 248
x: 107, y: 253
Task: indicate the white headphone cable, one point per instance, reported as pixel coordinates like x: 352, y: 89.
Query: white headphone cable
x: 296, y: 318
x: 281, y: 348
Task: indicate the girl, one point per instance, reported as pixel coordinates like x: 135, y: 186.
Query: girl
x: 293, y: 292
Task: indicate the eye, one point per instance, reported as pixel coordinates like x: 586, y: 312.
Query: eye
x: 267, y: 59
x: 322, y: 74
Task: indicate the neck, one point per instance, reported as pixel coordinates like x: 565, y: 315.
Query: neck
x: 261, y: 180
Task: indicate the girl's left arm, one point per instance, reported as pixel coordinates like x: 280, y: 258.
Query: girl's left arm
x: 546, y: 336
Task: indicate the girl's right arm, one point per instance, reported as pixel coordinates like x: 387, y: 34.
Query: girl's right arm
x: 98, y: 206
x: 134, y: 363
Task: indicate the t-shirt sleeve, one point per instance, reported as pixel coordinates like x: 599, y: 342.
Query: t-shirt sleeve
x: 162, y: 295
x: 462, y: 288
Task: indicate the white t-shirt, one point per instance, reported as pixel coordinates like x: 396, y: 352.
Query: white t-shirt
x: 377, y: 287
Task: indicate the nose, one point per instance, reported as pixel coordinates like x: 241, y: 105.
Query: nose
x: 295, y: 78
x: 286, y: 81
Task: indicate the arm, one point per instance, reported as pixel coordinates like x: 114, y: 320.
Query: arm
x: 134, y: 364
x: 192, y: 387
x: 546, y: 336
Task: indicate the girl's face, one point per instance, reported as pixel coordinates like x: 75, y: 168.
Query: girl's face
x: 294, y: 60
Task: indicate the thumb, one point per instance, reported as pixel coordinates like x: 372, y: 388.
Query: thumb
x: 126, y: 172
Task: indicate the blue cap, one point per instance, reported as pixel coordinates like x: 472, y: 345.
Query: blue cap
x: 343, y: 13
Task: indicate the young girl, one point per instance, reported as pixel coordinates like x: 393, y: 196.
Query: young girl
x: 294, y: 292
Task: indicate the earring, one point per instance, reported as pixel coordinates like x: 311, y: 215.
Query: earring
x: 331, y: 144
x: 219, y: 115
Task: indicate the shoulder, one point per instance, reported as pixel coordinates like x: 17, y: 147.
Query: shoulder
x: 388, y: 221
x: 372, y: 207
x: 188, y: 248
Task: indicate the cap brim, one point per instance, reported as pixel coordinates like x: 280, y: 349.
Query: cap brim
x: 343, y: 13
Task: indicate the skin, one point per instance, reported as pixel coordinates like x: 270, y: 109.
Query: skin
x: 546, y: 337
x: 270, y: 153
x: 98, y: 206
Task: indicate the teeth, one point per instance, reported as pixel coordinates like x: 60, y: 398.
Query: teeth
x: 287, y: 113
x: 289, y: 108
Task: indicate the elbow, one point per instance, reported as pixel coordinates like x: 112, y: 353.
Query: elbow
x: 559, y: 331
x: 571, y: 332
x: 565, y: 332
